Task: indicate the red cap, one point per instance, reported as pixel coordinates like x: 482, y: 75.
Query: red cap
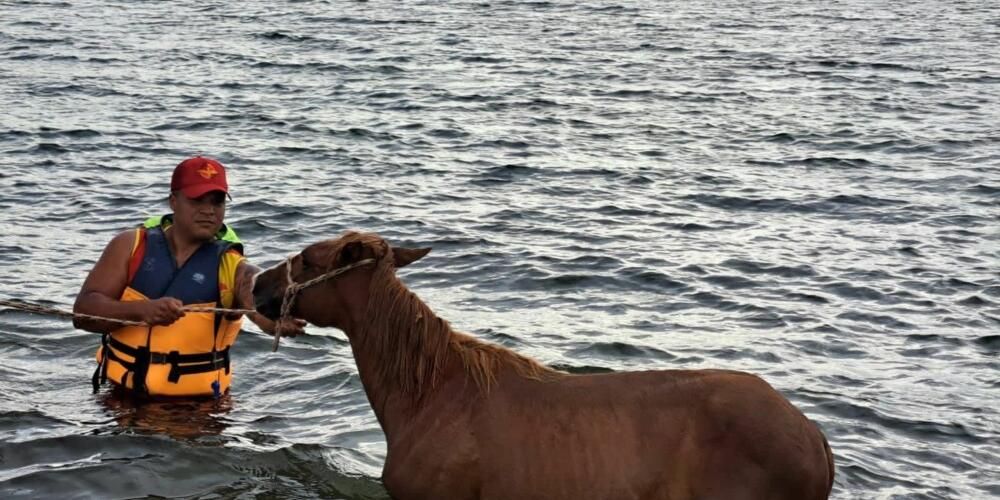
x: 199, y: 175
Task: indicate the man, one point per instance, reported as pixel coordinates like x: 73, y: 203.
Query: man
x: 147, y: 275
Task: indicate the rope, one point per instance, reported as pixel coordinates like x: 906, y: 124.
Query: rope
x: 288, y: 301
x: 292, y: 290
x: 52, y: 311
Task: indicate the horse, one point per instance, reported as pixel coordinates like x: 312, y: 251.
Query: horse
x: 467, y: 419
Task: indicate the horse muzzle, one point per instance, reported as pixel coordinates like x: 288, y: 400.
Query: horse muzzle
x: 267, y: 294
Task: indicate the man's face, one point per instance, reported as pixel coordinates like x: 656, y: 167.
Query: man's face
x: 200, y: 217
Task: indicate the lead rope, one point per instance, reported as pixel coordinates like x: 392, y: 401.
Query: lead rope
x: 293, y: 289
x: 52, y: 311
x: 287, y: 302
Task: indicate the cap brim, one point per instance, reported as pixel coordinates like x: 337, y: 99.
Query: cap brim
x: 203, y: 189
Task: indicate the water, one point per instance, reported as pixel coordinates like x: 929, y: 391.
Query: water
x: 808, y: 191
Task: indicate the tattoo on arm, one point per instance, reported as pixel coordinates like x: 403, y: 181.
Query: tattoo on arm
x: 244, y: 284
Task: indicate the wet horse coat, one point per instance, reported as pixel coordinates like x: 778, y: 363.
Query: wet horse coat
x: 465, y: 419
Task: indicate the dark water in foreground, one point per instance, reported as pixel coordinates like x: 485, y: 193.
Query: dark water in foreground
x: 806, y: 190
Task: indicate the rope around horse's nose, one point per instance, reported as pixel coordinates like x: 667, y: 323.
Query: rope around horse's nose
x: 292, y: 290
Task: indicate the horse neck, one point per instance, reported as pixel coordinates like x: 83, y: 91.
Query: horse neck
x: 401, y: 349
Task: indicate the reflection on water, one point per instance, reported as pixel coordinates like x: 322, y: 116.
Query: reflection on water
x: 179, y: 418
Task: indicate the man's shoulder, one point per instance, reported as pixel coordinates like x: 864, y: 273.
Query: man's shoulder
x: 128, y: 236
x: 234, y: 254
x: 122, y: 244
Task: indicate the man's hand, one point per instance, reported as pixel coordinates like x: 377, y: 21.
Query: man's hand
x: 163, y: 311
x: 286, y: 327
x: 290, y: 327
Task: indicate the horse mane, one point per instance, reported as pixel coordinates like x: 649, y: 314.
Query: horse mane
x: 412, y: 343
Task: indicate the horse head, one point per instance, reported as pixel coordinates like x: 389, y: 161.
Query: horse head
x: 329, y: 280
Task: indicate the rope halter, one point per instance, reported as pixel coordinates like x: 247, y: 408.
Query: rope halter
x: 293, y: 289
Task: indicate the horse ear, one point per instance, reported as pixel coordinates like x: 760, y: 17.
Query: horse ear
x: 351, y: 253
x: 407, y: 256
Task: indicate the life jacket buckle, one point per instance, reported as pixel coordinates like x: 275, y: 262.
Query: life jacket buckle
x: 173, y: 357
x: 142, y: 359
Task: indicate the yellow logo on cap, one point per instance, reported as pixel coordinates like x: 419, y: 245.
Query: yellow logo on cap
x: 208, y: 171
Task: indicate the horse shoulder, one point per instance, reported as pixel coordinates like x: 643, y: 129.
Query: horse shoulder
x: 435, y: 456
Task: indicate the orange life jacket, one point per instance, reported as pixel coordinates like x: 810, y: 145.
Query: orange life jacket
x: 189, y: 357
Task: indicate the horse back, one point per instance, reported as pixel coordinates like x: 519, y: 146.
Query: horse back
x: 655, y: 434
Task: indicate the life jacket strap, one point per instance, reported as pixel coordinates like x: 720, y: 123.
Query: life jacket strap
x: 219, y: 360
x: 109, y: 354
x: 180, y: 364
x: 101, y: 372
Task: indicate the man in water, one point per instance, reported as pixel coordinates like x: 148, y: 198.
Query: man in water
x: 189, y: 258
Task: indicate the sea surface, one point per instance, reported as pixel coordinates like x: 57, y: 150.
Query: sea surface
x: 809, y: 191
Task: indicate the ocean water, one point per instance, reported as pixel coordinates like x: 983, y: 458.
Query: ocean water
x: 809, y: 191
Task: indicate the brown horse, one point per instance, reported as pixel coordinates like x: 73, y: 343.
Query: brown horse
x: 465, y: 419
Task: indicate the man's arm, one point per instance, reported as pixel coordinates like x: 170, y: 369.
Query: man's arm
x: 245, y: 272
x: 100, y: 293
